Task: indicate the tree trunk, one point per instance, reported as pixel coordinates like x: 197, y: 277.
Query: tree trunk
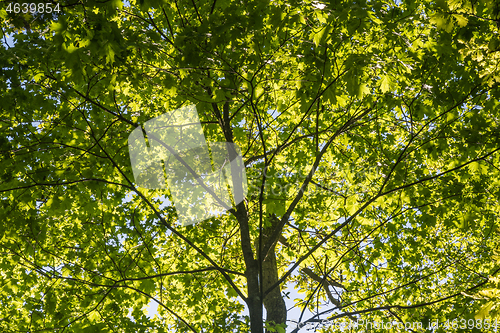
x: 253, y: 300
x: 273, y: 302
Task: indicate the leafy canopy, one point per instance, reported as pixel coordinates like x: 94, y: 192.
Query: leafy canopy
x: 370, y: 132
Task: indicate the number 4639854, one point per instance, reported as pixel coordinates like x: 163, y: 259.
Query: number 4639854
x: 32, y: 8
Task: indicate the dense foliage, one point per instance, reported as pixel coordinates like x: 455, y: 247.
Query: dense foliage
x: 370, y: 135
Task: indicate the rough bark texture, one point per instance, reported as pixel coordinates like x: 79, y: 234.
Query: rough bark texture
x: 273, y: 302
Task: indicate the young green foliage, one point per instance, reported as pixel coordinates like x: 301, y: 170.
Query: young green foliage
x: 370, y: 135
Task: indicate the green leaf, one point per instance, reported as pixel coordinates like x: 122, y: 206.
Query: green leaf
x: 461, y: 20
x: 385, y: 84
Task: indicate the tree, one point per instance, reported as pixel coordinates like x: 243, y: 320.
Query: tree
x: 369, y: 132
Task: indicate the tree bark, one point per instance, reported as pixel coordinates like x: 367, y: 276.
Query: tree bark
x: 274, y: 303
x: 253, y: 300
